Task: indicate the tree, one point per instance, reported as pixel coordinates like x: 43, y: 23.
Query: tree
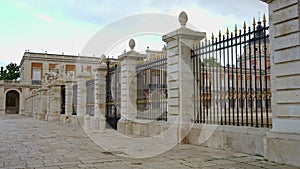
x: 210, y: 61
x: 12, y: 72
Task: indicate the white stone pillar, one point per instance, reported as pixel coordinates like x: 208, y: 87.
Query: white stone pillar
x: 81, y: 97
x: 68, y: 101
x: 24, y: 95
x: 283, y: 142
x: 180, y: 75
x: 2, y: 100
x: 34, y: 105
x: 100, y: 97
x: 42, y: 111
x: 129, y: 83
x: 54, y: 103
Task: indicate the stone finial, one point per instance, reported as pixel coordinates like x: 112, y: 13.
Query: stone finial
x: 183, y: 18
x: 131, y: 44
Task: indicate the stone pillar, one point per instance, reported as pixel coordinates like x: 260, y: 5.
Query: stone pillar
x: 42, y: 111
x: 100, y: 97
x: 24, y: 95
x: 180, y: 75
x: 54, y: 102
x: 35, y: 105
x: 128, y: 86
x: 2, y: 100
x: 283, y: 142
x: 81, y: 97
x: 68, y: 101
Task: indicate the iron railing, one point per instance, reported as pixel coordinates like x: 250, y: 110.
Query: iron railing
x: 113, y: 94
x: 90, y: 89
x: 232, y: 78
x: 74, y: 100
x: 152, y: 89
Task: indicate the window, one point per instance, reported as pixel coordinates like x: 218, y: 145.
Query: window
x: 155, y: 79
x: 36, y: 74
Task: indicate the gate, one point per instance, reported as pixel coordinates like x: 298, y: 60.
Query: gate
x: 152, y: 88
x: 232, y: 78
x: 113, y: 95
x: 90, y: 88
x: 63, y: 99
x: 74, y: 100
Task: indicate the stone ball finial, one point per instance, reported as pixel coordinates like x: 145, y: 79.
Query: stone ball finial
x: 183, y: 18
x: 131, y: 44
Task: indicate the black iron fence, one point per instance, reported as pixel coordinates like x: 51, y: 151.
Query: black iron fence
x: 232, y: 78
x: 113, y: 94
x: 74, y: 100
x: 152, y: 89
x: 90, y: 89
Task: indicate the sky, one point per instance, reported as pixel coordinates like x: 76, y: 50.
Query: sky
x: 56, y: 26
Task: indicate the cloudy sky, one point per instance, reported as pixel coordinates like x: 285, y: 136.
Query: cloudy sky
x: 66, y: 26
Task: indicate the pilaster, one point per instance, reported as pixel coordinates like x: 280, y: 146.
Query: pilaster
x: 180, y: 75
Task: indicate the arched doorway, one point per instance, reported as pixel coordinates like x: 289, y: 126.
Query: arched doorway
x: 12, y: 102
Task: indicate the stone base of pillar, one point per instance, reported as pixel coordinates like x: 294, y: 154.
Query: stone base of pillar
x: 41, y: 116
x: 87, y: 122
x: 172, y: 118
x: 66, y: 118
x: 102, y: 123
x: 74, y: 120
x: 80, y: 120
x: 54, y: 116
x: 35, y: 116
x: 125, y: 127
x: 283, y: 148
x: 2, y: 111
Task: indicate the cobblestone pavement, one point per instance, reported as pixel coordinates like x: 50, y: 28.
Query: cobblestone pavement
x: 28, y: 143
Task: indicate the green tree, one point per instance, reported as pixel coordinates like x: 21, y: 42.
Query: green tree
x: 12, y: 72
x: 210, y: 61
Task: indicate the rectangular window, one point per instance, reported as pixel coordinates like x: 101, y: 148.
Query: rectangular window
x: 36, y: 74
x: 155, y: 79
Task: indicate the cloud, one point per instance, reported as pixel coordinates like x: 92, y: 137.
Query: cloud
x: 45, y: 18
x: 106, y: 11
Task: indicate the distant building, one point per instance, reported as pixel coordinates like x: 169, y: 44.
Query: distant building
x: 33, y: 68
x: 254, y: 55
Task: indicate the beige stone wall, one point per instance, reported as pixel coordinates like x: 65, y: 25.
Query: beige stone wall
x: 285, y: 62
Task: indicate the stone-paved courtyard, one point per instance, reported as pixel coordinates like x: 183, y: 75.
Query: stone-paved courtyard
x: 28, y: 143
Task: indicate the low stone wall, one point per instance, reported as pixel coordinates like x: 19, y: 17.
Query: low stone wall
x: 279, y: 147
x: 241, y: 139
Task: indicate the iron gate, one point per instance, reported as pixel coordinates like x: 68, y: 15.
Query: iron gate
x: 63, y: 99
x: 152, y: 89
x: 90, y: 88
x: 74, y: 100
x: 113, y: 95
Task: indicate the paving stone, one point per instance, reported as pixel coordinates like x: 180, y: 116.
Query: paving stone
x: 54, y: 145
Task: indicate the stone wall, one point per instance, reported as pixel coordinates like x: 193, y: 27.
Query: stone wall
x: 283, y: 140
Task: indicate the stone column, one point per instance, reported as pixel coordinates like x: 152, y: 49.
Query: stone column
x: 35, y: 105
x: 100, y: 97
x: 283, y: 142
x: 2, y: 100
x: 24, y: 95
x: 81, y: 97
x: 128, y: 86
x: 54, y: 102
x: 42, y: 111
x: 68, y: 101
x: 180, y: 75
